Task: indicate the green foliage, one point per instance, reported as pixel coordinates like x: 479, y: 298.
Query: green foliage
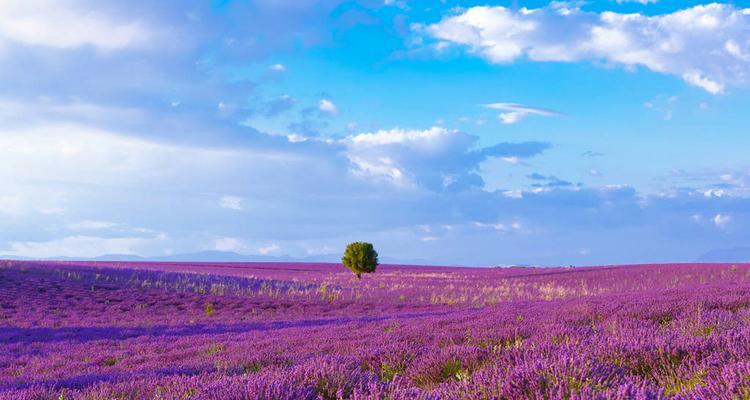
x: 451, y: 369
x: 215, y: 348
x: 109, y: 361
x: 677, y: 385
x: 389, y: 371
x: 360, y: 258
x: 251, y: 367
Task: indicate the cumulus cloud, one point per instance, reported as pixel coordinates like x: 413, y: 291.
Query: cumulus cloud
x: 59, y: 24
x: 327, y: 107
x: 516, y: 112
x: 706, y: 45
x: 438, y: 158
x: 715, y: 193
x: 721, y: 220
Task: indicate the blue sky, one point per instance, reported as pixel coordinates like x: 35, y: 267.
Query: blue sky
x: 476, y: 133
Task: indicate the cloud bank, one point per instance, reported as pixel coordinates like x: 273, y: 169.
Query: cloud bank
x: 708, y: 46
x: 60, y: 24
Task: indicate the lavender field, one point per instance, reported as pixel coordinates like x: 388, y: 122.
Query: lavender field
x: 313, y: 331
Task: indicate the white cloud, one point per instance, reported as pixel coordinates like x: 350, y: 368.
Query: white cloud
x: 707, y: 45
x: 511, y: 117
x: 721, y: 220
x: 266, y: 250
x: 513, y: 194
x: 436, y: 158
x: 278, y: 68
x: 229, y: 244
x: 78, y: 246
x: 734, y: 48
x: 91, y: 225
x: 432, y: 138
x: 714, y: 193
x: 381, y: 167
x: 74, y: 153
x: 328, y: 107
x: 57, y: 23
x: 696, y: 78
x: 296, y: 138
x: 386, y: 154
x: 501, y: 227
x: 231, y: 202
x: 516, y: 112
x: 323, y: 250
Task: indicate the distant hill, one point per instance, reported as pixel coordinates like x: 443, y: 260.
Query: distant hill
x: 218, y: 256
x: 734, y: 254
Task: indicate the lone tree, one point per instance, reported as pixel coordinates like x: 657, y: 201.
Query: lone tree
x: 361, y: 258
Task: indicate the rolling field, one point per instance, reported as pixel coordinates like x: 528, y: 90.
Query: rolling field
x: 72, y: 330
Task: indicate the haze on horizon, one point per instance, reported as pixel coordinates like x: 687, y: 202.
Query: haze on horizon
x: 472, y: 133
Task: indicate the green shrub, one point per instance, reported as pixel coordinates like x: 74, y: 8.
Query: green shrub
x: 109, y: 361
x: 388, y: 372
x: 360, y: 258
